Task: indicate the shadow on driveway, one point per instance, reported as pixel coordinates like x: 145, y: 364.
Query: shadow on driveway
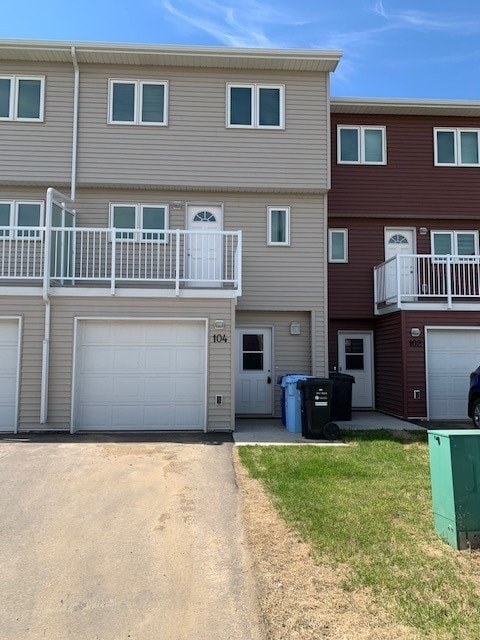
x: 129, y: 437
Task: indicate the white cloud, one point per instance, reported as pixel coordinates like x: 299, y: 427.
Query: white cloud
x: 411, y: 18
x: 237, y: 24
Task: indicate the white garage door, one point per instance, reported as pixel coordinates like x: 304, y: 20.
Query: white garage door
x: 452, y: 354
x: 8, y: 374
x: 140, y: 375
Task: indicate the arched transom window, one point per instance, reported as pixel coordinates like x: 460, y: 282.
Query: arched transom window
x: 398, y: 239
x: 204, y: 216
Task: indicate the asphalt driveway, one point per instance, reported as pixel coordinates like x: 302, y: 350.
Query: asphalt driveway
x: 111, y: 540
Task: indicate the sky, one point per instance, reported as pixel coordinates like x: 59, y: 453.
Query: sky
x: 391, y: 48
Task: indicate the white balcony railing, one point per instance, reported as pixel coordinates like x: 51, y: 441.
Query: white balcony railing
x: 108, y: 256
x: 426, y: 279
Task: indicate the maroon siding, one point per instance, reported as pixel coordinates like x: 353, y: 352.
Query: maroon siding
x: 389, y: 365
x: 409, y: 184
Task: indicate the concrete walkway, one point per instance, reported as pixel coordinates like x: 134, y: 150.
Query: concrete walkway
x: 122, y: 541
x: 272, y: 432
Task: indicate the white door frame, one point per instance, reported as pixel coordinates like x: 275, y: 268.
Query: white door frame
x: 369, y: 332
x: 19, y: 319
x: 253, y: 328
x: 426, y: 329
x: 78, y: 319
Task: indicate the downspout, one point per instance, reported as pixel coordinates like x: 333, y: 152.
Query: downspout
x: 46, y: 299
x: 76, y: 89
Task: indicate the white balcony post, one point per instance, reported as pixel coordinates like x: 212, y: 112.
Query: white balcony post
x: 399, y: 281
x: 375, y: 291
x: 177, y: 262
x: 47, y: 243
x: 238, y: 266
x: 113, y: 266
x: 449, y: 281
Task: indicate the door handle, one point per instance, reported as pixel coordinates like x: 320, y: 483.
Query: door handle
x: 269, y: 380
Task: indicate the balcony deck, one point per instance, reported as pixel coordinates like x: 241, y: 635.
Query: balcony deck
x: 157, y: 262
x: 427, y: 282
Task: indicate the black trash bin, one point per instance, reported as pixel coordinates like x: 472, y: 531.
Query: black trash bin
x: 317, y: 409
x: 342, y: 395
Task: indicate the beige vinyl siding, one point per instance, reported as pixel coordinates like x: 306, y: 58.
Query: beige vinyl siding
x: 197, y: 149
x: 40, y: 152
x: 66, y: 309
x: 291, y: 354
x: 32, y: 311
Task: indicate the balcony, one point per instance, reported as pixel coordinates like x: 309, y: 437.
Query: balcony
x: 427, y: 282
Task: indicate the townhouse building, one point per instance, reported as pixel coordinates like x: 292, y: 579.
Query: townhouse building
x: 404, y: 263
x: 163, y: 232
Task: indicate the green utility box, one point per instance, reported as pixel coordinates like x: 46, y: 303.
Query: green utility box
x: 455, y: 474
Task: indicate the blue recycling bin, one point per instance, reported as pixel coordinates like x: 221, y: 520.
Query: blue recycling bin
x: 292, y: 401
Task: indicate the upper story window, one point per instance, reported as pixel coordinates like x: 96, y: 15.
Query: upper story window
x: 457, y: 147
x: 22, y: 98
x: 138, y: 102
x: 279, y: 226
x: 256, y: 106
x: 15, y: 213
x: 149, y: 217
x: 361, y: 145
x: 338, y: 245
x: 458, y: 243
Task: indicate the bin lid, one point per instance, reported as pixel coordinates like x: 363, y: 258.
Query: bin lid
x: 314, y: 382
x: 340, y: 376
x: 293, y: 377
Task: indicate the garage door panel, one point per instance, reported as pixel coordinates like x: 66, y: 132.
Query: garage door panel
x: 158, y: 359
x: 8, y: 373
x: 96, y: 334
x: 128, y: 359
x: 8, y: 360
x: 190, y: 359
x: 96, y: 359
x: 147, y: 375
x: 452, y: 355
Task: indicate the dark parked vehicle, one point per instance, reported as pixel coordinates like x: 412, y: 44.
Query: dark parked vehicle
x: 474, y: 398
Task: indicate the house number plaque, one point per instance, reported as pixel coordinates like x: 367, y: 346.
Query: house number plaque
x: 415, y: 343
x: 220, y: 337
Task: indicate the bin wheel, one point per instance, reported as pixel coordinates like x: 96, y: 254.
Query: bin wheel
x: 331, y: 431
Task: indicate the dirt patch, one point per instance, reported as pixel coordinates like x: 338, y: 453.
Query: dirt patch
x: 301, y: 598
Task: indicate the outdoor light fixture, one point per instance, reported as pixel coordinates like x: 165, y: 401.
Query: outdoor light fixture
x: 423, y: 231
x: 295, y: 328
x: 219, y: 324
x: 415, y: 332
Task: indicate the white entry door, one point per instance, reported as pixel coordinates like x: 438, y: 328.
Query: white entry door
x: 204, y: 264
x: 400, y: 242
x: 355, y: 357
x: 253, y: 382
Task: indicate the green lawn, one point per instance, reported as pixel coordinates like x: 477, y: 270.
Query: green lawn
x: 368, y: 506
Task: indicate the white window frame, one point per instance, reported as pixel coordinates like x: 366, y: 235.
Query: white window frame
x: 255, y: 103
x: 139, y: 232
x: 438, y: 257
x: 457, y: 131
x: 13, y: 106
x: 13, y: 218
x: 287, y: 226
x: 361, y: 143
x: 137, y: 102
x: 344, y: 232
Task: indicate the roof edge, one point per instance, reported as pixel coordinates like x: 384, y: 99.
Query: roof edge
x: 408, y: 105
